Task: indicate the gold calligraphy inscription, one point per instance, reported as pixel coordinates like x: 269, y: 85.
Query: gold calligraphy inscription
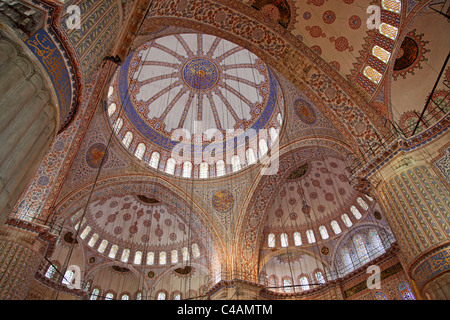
x: 432, y: 266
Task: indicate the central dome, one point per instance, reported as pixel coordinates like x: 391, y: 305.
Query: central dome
x: 189, y: 92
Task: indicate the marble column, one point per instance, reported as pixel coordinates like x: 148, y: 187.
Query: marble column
x: 413, y: 188
x: 28, y: 121
x: 22, y: 248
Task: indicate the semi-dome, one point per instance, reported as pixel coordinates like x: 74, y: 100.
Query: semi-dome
x: 195, y: 105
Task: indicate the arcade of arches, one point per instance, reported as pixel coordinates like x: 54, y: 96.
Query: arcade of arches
x: 224, y: 149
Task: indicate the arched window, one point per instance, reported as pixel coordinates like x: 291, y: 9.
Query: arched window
x: 125, y: 255
x: 161, y: 296
x: 109, y: 296
x: 204, y: 170
x: 111, y: 109
x: 287, y: 284
x: 154, y: 160
x: 187, y: 169
x: 273, y: 134
x: 85, y: 232
x: 376, y: 242
x: 195, y: 250
x: 102, y: 246
x: 310, y: 236
x: 110, y: 91
x: 362, y: 203
x: 284, y: 240
x: 388, y: 30
x: 118, y: 124
x: 162, y: 258
x: 405, y: 291
x: 372, y: 74
x: 220, y: 168
x: 392, y: 5
x: 68, y: 276
x: 305, y: 283
x: 139, y: 296
x: 381, y: 53
x: 280, y: 119
x: 250, y: 155
x: 368, y: 197
x: 348, y: 223
x: 335, y: 226
x: 170, y: 166
x: 262, y: 148
x: 235, y: 163
x: 125, y: 297
x: 94, y: 295
x: 93, y: 240
x: 127, y: 139
x: 346, y: 259
x: 50, y: 272
x: 174, y: 256
x: 176, y: 296
x: 185, y: 253
x: 140, y: 151
x: 113, y: 251
x: 150, y: 258
x: 361, y: 250
x: 297, y: 239
x: 323, y: 232
x: 319, y: 277
x: 138, y: 257
x: 271, y: 240
x: 355, y: 212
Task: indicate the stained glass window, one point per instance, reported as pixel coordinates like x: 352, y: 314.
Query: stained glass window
x: 170, y: 166
x: 94, y: 294
x: 271, y: 240
x: 236, y: 163
x: 125, y: 297
x: 319, y: 277
x: 204, y: 170
x: 85, y: 232
x: 388, y: 30
x: 284, y: 240
x: 118, y: 125
x: 161, y: 296
x: 174, y: 256
x: 150, y: 258
x: 154, y: 160
x: 110, y: 91
x: 380, y: 296
x: 195, y: 250
x: 297, y: 239
x: 305, y: 283
x: 362, y: 203
x: 93, y: 240
x: 262, y: 148
x: 346, y: 220
x: 102, y: 246
x: 273, y: 134
x: 372, y: 74
x: 323, y: 232
x: 140, y: 150
x: 335, y: 226
x: 125, y: 255
x: 287, y: 284
x: 68, y: 276
x: 346, y: 259
x: 138, y: 257
x: 361, y: 250
x: 405, y: 291
x: 280, y: 119
x: 113, y: 251
x: 310, y: 236
x: 176, y: 296
x: 391, y: 5
x: 376, y: 242
x: 381, y: 54
x: 368, y: 197
x: 139, y: 296
x: 250, y: 154
x: 355, y: 212
x: 127, y: 139
x: 185, y: 254
x: 162, y: 258
x: 109, y: 296
x: 50, y: 272
x: 220, y: 168
x: 111, y: 109
x: 187, y: 169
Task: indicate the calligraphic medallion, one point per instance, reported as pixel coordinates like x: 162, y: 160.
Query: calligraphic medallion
x: 200, y: 74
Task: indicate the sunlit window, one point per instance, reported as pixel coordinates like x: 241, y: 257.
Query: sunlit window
x: 185, y: 253
x: 154, y: 160
x: 204, y: 170
x: 187, y: 169
x: 271, y: 240
x: 140, y: 151
x: 335, y: 226
x: 319, y: 277
x: 150, y: 258
x: 355, y: 212
x: 310, y: 236
x: 284, y: 240
x: 113, y: 251
x: 361, y: 250
x: 94, y: 295
x: 111, y: 109
x: 348, y: 223
x: 195, y: 250
x: 297, y: 239
x: 138, y: 257
x: 323, y: 232
x: 85, y: 232
x: 362, y: 203
x: 372, y: 74
x: 305, y: 283
x: 127, y: 139
x: 381, y: 54
x: 388, y: 30
x: 391, y: 5
x: 102, y: 246
x: 174, y: 256
x: 162, y: 258
x: 125, y: 255
x: 118, y: 125
x: 93, y: 240
x: 235, y: 163
x: 170, y: 166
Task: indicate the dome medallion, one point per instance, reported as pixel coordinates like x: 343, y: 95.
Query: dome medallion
x: 200, y: 74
